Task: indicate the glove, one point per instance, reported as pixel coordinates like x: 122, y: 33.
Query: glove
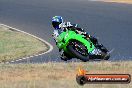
x: 55, y: 35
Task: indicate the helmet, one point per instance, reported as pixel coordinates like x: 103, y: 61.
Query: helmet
x: 56, y: 21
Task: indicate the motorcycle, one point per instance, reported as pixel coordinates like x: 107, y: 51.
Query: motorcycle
x: 74, y: 45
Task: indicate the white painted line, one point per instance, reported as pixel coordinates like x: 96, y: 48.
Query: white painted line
x: 7, y: 62
x: 12, y: 61
x: 50, y: 46
x: 20, y: 59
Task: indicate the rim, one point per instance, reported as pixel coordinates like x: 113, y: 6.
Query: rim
x: 81, y: 49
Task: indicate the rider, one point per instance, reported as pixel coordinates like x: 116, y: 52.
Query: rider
x: 60, y: 26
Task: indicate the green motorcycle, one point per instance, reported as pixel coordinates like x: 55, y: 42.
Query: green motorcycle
x: 75, y: 45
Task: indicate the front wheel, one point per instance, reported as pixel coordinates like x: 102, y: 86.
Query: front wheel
x: 78, y: 50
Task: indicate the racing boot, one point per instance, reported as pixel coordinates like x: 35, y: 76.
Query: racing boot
x: 93, y: 40
x: 63, y: 55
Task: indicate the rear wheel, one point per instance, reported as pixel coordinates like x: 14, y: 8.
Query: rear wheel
x: 102, y: 48
x: 78, y: 50
x: 105, y: 54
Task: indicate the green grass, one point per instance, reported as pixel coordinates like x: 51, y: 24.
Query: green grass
x: 14, y: 45
x: 58, y: 75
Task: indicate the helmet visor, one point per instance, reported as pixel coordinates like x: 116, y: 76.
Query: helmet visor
x: 55, y: 24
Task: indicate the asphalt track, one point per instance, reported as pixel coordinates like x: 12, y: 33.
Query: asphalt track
x: 111, y: 23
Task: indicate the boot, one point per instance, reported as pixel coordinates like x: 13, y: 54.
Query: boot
x: 94, y: 40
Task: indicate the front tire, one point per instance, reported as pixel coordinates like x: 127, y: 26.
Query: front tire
x: 84, y: 56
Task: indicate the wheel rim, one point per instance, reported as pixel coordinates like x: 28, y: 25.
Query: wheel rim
x: 80, y: 48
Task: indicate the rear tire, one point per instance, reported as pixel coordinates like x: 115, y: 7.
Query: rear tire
x: 105, y: 51
x: 76, y: 54
x: 107, y: 57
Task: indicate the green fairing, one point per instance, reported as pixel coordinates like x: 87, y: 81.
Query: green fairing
x: 64, y: 38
